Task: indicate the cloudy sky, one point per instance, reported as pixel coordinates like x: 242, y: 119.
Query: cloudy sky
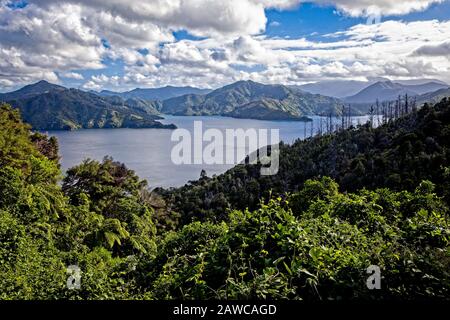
x: 119, y: 45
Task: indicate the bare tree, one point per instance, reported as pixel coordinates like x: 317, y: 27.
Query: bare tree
x: 414, y: 104
x: 406, y: 104
x: 377, y: 104
x: 397, y: 108
x: 371, y: 112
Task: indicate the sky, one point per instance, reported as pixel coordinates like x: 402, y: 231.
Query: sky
x: 120, y: 45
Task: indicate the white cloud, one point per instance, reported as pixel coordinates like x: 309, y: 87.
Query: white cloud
x: 123, y: 33
x: 280, y: 4
x: 362, y: 52
x: 100, y: 81
x: 361, y: 7
x: 383, y: 7
x: 36, y: 43
x: 434, y: 50
x: 72, y: 75
x: 275, y: 24
x: 49, y: 38
x: 231, y: 17
x: 200, y: 17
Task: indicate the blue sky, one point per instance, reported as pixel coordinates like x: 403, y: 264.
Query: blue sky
x: 120, y: 45
x: 308, y: 19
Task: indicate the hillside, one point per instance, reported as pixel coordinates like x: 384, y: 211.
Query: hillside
x: 312, y: 245
x: 70, y: 109
x: 398, y: 155
x: 347, y: 88
x: 155, y: 93
x: 434, y: 97
x: 31, y: 90
x: 389, y: 91
x: 427, y: 87
x: 267, y: 108
x: 337, y: 88
x: 147, y: 106
x: 384, y: 91
x: 266, y: 101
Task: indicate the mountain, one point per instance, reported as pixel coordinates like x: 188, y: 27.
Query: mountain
x: 383, y: 91
x: 249, y: 99
x: 434, y: 97
x: 420, y: 81
x: 388, y: 91
x: 266, y: 108
x: 156, y: 93
x: 427, y: 87
x: 70, y: 109
x: 30, y: 90
x: 347, y: 88
x: 336, y: 88
x: 107, y: 93
x: 148, y: 106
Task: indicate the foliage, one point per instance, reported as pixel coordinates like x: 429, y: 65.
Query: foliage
x: 310, y: 239
x: 248, y: 99
x: 111, y: 194
x: 50, y: 107
x: 46, y: 228
x: 397, y: 155
x: 321, y: 251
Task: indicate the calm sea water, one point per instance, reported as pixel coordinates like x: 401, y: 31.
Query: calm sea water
x: 148, y: 151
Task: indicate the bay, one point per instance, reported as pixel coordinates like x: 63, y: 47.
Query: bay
x: 148, y: 151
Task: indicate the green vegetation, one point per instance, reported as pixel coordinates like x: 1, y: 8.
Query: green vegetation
x: 310, y: 239
x: 50, y: 107
x: 321, y: 251
x: 248, y: 99
x: 96, y: 220
x: 398, y: 155
x: 155, y: 94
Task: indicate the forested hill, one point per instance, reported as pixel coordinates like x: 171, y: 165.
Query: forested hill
x: 160, y: 94
x: 398, y: 155
x: 47, y: 106
x: 249, y: 99
x: 31, y: 90
x: 315, y: 244
x: 70, y: 109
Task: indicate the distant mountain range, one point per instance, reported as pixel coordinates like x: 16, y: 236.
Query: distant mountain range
x: 388, y: 91
x: 346, y: 89
x: 155, y: 93
x: 48, y: 106
x: 433, y: 97
x: 249, y: 99
x: 337, y: 88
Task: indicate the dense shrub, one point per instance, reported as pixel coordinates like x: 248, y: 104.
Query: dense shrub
x: 311, y: 242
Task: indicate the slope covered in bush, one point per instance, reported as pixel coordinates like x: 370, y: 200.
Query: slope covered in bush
x: 398, y: 155
x: 313, y: 244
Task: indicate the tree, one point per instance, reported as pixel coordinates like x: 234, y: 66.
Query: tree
x: 113, y: 193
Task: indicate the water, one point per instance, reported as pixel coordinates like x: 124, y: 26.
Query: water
x: 148, y: 151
